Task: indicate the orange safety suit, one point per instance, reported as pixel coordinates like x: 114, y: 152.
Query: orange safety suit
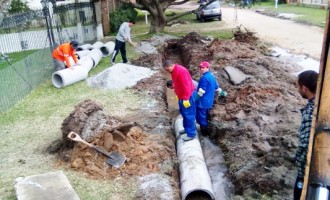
x: 63, y: 52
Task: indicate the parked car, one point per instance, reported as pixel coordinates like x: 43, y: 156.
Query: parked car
x: 210, y: 11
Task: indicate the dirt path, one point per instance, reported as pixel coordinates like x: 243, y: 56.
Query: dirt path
x: 299, y: 38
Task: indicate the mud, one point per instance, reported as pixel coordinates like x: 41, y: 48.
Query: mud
x: 256, y: 127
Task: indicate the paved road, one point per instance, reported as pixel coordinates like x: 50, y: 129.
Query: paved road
x: 299, y: 38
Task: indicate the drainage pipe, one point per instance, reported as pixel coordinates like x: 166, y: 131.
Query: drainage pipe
x: 85, y: 47
x: 195, y: 180
x: 96, y: 55
x: 110, y: 46
x: 82, y: 53
x: 67, y: 76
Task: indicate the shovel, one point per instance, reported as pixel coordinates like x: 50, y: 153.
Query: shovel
x: 115, y: 158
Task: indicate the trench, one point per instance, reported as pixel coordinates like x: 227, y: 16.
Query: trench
x: 221, y: 185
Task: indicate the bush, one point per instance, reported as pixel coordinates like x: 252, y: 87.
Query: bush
x: 124, y: 14
x: 17, y: 6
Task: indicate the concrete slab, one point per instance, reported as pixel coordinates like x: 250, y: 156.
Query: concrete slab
x: 236, y: 76
x: 48, y: 186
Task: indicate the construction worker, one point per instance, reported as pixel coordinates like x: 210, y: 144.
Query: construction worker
x: 184, y: 90
x: 62, y: 54
x: 123, y: 35
x: 207, y: 87
x: 306, y: 84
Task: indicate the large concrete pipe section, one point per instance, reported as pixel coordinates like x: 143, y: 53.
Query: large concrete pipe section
x: 67, y: 76
x: 85, y: 47
x: 96, y: 55
x: 195, y: 180
x: 110, y: 47
x: 82, y: 53
x: 102, y: 47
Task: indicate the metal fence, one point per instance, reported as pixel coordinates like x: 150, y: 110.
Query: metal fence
x: 26, y: 43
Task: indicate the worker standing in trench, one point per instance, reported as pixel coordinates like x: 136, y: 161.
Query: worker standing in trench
x: 306, y: 84
x: 185, y: 90
x: 207, y: 87
x: 62, y: 54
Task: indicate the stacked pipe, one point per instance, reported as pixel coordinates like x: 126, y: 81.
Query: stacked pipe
x: 89, y: 57
x: 195, y: 180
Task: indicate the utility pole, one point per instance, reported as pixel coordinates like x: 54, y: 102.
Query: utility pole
x: 317, y: 173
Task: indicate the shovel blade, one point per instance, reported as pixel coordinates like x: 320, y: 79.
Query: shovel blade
x: 116, y: 159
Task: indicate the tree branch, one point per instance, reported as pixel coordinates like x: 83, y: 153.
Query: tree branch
x: 179, y: 2
x: 132, y: 4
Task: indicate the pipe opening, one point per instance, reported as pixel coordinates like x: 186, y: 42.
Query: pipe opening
x: 57, y: 80
x: 199, y: 195
x: 105, y: 51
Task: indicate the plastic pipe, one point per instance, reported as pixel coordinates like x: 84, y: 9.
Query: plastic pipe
x: 195, y: 180
x: 82, y: 53
x: 67, y: 77
x: 85, y: 47
x: 96, y: 55
x: 110, y: 47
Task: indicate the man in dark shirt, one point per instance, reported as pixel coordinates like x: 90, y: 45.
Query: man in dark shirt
x: 306, y: 84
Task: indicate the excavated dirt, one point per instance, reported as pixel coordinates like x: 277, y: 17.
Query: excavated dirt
x: 256, y: 127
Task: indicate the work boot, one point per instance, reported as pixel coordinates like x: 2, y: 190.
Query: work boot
x: 204, y: 130
x: 185, y: 137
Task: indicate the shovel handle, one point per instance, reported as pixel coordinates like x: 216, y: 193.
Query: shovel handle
x: 75, y: 137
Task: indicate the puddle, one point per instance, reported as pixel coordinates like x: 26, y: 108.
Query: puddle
x: 299, y: 63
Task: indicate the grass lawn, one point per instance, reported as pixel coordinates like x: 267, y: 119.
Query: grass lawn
x: 313, y: 16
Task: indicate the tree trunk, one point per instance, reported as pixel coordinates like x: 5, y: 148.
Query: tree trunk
x: 157, y: 24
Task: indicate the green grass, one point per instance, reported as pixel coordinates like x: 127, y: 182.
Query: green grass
x: 30, y: 126
x: 309, y: 15
x: 15, y: 57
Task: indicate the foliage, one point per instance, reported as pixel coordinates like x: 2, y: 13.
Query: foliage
x: 124, y: 14
x: 17, y: 6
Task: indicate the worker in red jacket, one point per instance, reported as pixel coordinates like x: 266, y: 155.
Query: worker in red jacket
x: 185, y: 90
x: 62, y: 54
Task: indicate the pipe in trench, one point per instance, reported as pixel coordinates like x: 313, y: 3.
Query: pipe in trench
x: 194, y: 176
x: 67, y: 76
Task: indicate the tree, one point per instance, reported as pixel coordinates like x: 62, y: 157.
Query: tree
x: 17, y: 6
x: 157, y: 9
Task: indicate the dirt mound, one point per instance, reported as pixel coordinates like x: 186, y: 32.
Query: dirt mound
x: 145, y: 153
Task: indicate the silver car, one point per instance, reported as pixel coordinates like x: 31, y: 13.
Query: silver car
x: 210, y: 11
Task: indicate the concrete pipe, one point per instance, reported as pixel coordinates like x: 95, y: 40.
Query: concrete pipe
x: 67, y: 76
x: 86, y: 62
x: 96, y: 55
x: 110, y: 47
x: 195, y: 180
x: 82, y: 53
x: 85, y: 47
x: 104, y: 49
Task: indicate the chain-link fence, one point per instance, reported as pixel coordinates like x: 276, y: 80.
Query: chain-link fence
x: 26, y: 43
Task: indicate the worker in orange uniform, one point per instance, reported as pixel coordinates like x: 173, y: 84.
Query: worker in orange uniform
x: 62, y: 54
